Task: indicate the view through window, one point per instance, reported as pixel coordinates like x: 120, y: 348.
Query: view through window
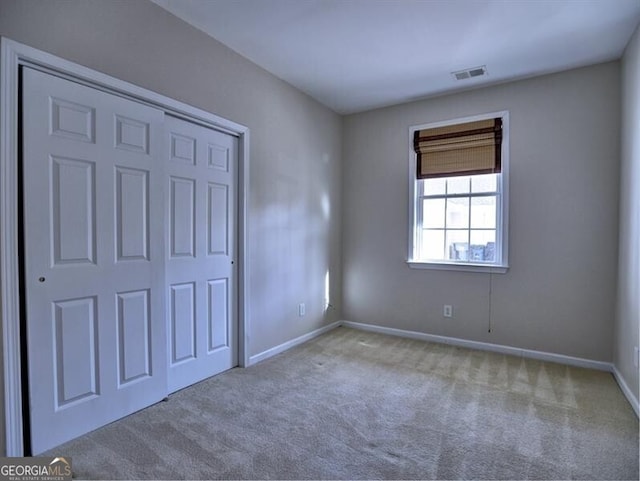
x: 459, y: 218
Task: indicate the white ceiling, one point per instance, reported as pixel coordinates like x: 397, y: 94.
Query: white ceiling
x: 354, y: 55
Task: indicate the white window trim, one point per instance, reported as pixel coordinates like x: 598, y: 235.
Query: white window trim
x: 503, y: 220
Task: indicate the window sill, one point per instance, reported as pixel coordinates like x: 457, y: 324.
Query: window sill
x: 466, y: 267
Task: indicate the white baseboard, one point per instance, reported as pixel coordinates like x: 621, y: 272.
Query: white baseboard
x: 628, y: 393
x: 485, y: 346
x: 292, y: 343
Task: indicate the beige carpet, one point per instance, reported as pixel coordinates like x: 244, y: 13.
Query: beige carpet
x: 357, y: 405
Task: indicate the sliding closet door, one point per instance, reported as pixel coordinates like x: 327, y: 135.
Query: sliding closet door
x: 94, y: 257
x: 201, y: 204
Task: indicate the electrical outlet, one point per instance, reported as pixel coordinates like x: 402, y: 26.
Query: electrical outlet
x: 302, y: 310
x: 447, y: 311
x: 636, y: 354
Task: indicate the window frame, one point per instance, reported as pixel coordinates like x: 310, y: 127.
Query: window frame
x: 502, y: 189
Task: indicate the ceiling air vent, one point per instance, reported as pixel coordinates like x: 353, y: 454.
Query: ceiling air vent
x: 470, y: 73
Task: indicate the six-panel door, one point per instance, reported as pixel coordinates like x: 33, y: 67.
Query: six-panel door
x: 92, y: 197
x: 200, y: 206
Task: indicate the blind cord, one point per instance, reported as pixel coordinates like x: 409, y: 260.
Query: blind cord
x: 490, y: 296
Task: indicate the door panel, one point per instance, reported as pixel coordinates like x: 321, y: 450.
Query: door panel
x: 218, y: 308
x: 94, y: 263
x: 134, y: 342
x: 182, y: 214
x: 73, y: 205
x: 218, y: 219
x: 132, y: 214
x: 75, y: 348
x: 200, y: 269
x: 183, y: 322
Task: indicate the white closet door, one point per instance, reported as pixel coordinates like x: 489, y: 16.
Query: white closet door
x: 94, y: 257
x: 201, y: 208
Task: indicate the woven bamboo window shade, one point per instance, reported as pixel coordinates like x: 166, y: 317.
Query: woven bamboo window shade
x: 463, y: 149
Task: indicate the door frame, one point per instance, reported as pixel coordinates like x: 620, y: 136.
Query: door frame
x: 13, y: 55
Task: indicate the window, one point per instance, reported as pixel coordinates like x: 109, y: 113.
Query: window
x: 459, y: 194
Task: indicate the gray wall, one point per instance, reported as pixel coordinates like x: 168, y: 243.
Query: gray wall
x: 559, y: 294
x: 294, y: 212
x: 628, y: 301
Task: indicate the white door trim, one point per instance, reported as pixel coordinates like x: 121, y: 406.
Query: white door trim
x: 13, y: 55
